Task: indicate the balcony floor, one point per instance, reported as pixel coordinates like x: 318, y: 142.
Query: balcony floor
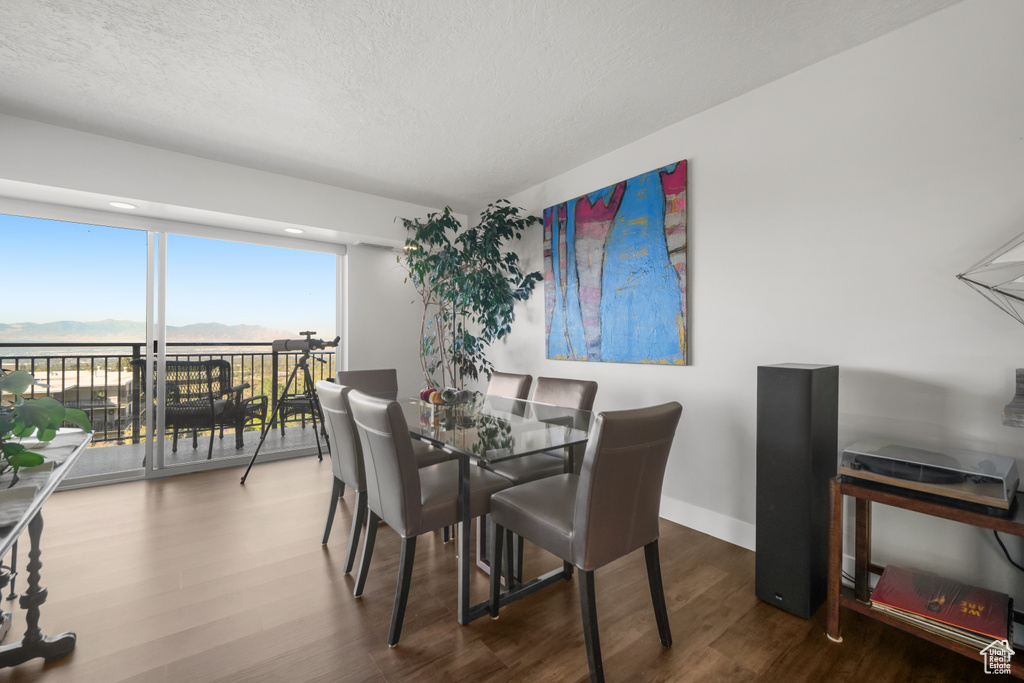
x: 103, y: 459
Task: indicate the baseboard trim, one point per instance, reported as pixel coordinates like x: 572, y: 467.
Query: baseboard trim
x: 724, y: 527
x: 708, y: 522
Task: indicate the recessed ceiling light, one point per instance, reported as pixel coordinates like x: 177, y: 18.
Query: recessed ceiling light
x: 294, y: 231
x: 123, y: 205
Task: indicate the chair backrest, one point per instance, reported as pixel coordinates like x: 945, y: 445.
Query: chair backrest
x: 346, y: 451
x: 619, y: 492
x: 381, y: 381
x: 509, y: 385
x: 199, y: 379
x: 392, y: 477
x: 191, y: 380
x: 567, y: 393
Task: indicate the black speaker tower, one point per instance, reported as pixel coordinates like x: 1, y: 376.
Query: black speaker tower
x: 797, y: 446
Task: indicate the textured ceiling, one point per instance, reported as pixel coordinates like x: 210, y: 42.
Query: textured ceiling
x: 430, y: 101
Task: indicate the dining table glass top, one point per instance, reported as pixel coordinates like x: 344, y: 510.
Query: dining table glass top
x: 494, y: 428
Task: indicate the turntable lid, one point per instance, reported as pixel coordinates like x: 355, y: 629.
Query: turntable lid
x: 997, y: 466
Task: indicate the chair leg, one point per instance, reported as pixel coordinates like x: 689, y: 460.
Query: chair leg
x: 483, y: 558
x: 402, y: 590
x: 510, y: 575
x: 588, y: 605
x: 657, y: 592
x: 364, y: 562
x: 358, y: 522
x: 520, y: 548
x: 213, y: 435
x: 174, y: 441
x: 337, y: 490
x: 494, y: 552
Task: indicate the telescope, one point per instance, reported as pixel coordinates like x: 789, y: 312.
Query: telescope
x: 307, y: 400
x: 303, y: 345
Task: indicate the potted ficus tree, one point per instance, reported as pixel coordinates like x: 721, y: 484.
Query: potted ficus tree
x: 21, y: 418
x: 468, y: 281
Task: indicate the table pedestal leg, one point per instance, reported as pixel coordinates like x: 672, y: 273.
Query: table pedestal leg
x: 35, y: 644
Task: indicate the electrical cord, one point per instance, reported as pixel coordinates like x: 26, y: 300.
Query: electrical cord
x: 1005, y: 551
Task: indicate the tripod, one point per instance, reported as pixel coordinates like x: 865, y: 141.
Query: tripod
x: 314, y: 405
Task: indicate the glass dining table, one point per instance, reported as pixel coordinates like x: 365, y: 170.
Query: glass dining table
x: 489, y: 429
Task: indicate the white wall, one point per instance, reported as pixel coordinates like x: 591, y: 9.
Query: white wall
x: 48, y: 163
x: 384, y: 317
x: 64, y: 174
x: 829, y: 214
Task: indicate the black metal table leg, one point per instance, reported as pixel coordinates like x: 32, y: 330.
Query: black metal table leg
x: 463, y: 539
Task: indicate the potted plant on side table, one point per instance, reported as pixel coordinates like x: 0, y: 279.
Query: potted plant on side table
x: 21, y: 418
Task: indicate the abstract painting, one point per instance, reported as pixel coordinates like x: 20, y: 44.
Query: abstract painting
x: 615, y: 272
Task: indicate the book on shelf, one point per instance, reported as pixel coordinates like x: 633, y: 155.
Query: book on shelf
x: 967, y: 614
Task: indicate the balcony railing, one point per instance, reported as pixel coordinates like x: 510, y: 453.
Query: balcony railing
x: 98, y: 377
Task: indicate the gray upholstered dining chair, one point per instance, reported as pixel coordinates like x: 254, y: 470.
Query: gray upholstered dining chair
x: 377, y: 381
x: 384, y: 382
x: 605, y: 512
x: 346, y: 454
x: 509, y: 385
x: 412, y: 501
x: 566, y: 393
x: 346, y: 462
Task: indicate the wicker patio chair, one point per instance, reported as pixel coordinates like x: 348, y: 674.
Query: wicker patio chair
x: 200, y: 396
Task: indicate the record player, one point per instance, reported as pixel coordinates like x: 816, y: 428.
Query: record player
x: 987, y: 483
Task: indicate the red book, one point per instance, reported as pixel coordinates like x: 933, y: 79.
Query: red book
x: 950, y: 602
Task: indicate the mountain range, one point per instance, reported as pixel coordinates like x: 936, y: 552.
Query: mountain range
x: 130, y: 331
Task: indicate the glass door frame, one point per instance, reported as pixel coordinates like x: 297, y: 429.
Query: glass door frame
x: 156, y: 325
x: 157, y: 230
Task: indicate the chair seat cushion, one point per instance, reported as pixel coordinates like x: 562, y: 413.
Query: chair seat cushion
x: 529, y: 467
x: 439, y: 492
x: 540, y: 511
x: 428, y: 455
x: 193, y: 413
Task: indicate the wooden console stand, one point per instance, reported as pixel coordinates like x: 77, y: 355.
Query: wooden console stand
x: 859, y: 599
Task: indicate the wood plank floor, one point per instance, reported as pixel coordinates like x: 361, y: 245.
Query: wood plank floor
x: 196, y: 578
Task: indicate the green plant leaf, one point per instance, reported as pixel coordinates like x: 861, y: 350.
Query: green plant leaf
x: 42, y: 415
x: 17, y: 382
x: 25, y: 459
x: 79, y: 418
x: 10, y: 449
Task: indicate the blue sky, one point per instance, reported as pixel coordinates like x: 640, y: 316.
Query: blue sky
x: 88, y: 272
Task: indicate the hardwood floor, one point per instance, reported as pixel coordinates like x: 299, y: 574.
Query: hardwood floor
x: 197, y: 578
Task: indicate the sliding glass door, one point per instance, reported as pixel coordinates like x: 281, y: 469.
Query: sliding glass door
x: 166, y: 341
x: 74, y: 318
x: 228, y: 389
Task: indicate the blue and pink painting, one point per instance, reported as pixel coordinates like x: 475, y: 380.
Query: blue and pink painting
x: 615, y: 272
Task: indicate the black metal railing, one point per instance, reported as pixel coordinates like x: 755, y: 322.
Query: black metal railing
x: 105, y: 384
